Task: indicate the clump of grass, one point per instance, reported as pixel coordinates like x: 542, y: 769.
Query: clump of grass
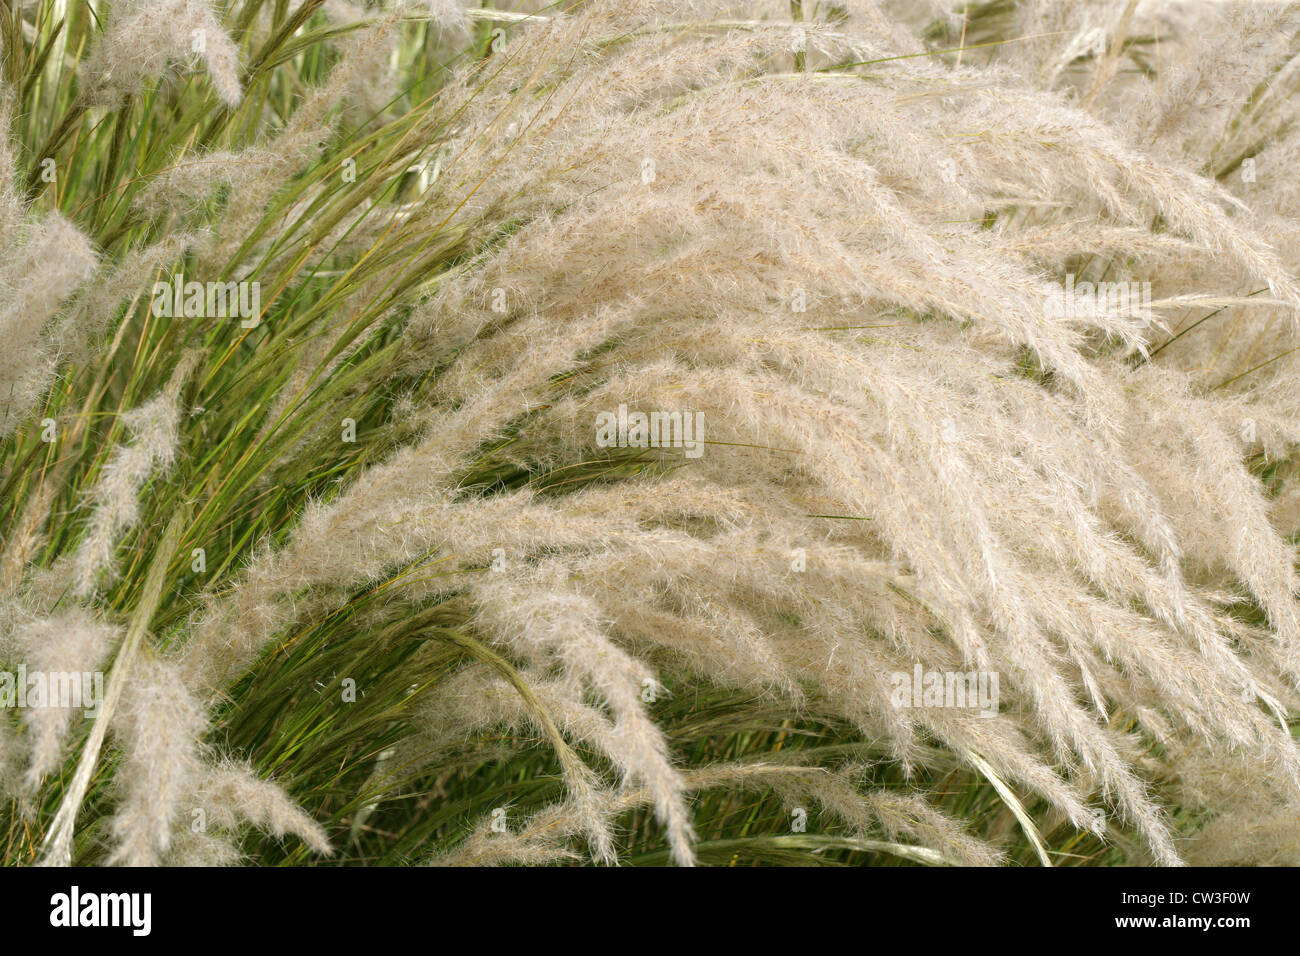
x: 370, y: 587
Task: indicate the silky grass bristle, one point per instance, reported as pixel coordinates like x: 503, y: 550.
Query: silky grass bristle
x: 661, y: 432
